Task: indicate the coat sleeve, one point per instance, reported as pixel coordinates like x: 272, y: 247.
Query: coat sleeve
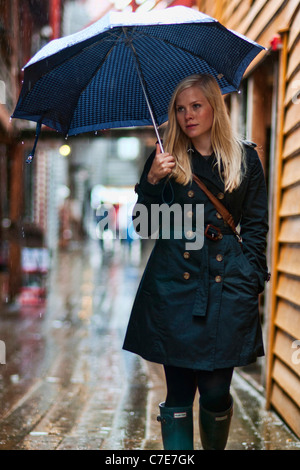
x: 148, y: 194
x: 254, y: 219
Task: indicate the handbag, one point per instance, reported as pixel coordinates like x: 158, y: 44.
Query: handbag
x: 227, y: 217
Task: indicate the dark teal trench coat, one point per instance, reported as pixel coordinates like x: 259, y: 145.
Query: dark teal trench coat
x: 199, y: 308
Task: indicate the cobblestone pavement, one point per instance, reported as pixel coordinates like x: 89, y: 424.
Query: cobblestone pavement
x: 67, y: 384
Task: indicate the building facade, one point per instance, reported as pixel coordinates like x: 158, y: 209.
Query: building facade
x: 25, y: 26
x: 266, y: 112
x: 269, y: 114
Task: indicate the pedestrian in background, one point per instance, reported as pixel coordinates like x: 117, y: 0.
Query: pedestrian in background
x: 196, y: 311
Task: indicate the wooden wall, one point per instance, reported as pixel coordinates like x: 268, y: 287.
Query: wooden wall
x: 262, y: 20
x: 284, y: 360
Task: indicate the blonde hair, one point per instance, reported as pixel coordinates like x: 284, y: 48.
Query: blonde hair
x: 227, y: 147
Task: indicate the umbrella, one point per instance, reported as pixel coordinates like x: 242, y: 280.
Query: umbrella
x: 121, y: 71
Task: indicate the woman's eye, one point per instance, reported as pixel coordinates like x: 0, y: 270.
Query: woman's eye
x: 197, y: 105
x: 180, y: 109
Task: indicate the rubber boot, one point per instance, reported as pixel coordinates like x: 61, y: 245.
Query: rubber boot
x: 176, y: 427
x: 214, y: 428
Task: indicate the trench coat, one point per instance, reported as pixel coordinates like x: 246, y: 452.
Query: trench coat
x: 198, y: 308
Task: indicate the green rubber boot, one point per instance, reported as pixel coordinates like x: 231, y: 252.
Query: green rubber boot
x: 176, y: 427
x: 214, y: 428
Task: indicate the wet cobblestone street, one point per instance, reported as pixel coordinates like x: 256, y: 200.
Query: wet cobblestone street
x: 68, y: 385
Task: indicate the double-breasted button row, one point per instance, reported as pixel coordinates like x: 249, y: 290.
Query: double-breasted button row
x: 186, y: 275
x: 191, y: 193
x: 219, y: 258
x: 218, y: 215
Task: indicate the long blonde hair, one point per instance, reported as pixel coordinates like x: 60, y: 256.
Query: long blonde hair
x: 227, y: 147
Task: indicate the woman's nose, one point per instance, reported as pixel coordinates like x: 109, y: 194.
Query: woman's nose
x: 188, y: 114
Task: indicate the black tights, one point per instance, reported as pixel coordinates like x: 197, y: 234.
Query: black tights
x: 213, y: 387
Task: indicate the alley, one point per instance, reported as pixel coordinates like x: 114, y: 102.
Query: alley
x: 67, y: 384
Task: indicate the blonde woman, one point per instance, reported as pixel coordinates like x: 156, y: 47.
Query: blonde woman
x: 196, y: 309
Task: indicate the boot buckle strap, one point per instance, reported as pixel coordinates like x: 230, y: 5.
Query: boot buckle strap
x: 161, y: 420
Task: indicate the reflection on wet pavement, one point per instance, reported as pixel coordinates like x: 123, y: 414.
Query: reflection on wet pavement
x: 67, y: 384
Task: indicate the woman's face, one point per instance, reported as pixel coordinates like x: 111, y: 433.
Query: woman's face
x: 194, y: 114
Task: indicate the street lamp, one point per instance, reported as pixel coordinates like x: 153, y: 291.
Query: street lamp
x: 65, y: 150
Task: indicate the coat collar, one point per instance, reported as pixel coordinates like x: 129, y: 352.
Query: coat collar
x: 206, y: 169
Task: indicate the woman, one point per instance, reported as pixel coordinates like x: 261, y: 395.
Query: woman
x: 196, y: 310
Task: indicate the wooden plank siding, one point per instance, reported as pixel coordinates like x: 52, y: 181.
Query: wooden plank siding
x: 261, y: 20
x: 284, y: 373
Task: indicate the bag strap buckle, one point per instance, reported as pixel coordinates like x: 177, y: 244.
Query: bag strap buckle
x: 213, y: 233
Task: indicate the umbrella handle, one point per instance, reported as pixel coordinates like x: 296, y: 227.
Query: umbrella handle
x: 142, y: 81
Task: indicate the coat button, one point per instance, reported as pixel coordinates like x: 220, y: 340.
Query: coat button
x: 218, y: 215
x: 218, y: 279
x: 186, y: 255
x: 189, y: 214
x: 219, y: 257
x: 220, y: 196
x: 186, y: 275
x: 191, y: 193
x: 189, y: 234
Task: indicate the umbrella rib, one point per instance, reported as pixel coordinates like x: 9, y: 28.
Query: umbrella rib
x: 94, y: 73
x: 112, y: 34
x: 143, y: 85
x: 78, y: 53
x: 169, y: 43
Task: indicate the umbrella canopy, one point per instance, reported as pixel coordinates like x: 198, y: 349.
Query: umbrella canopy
x: 122, y: 70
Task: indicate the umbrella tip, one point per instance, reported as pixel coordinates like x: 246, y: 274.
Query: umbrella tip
x: 31, y: 155
x: 30, y: 158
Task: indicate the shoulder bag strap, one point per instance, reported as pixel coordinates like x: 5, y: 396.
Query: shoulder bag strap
x: 219, y: 206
